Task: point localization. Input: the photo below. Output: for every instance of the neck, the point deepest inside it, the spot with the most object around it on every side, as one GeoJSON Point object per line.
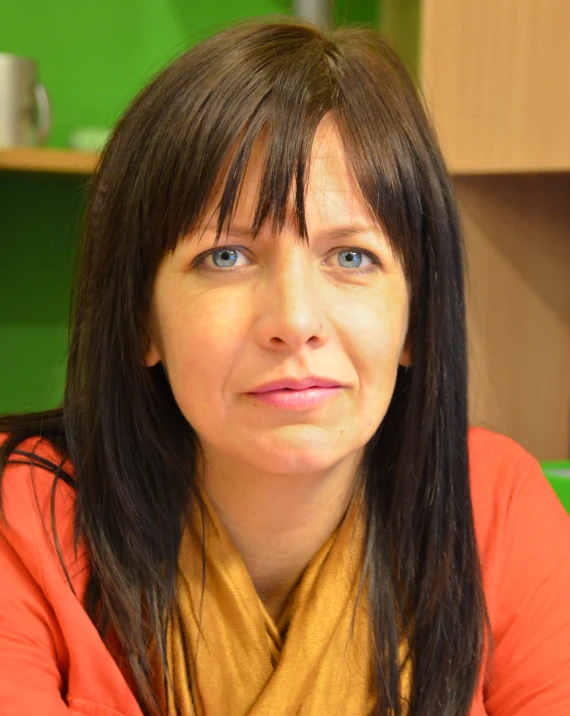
{"type": "Point", "coordinates": [279, 521]}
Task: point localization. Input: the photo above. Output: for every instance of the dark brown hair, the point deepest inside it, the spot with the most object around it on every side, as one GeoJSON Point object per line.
{"type": "Point", "coordinates": [134, 455]}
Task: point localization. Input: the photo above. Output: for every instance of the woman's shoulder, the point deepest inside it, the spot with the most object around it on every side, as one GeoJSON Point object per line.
{"type": "Point", "coordinates": [499, 467]}
{"type": "Point", "coordinates": [492, 448]}
{"type": "Point", "coordinates": [35, 474]}
{"type": "Point", "coordinates": [523, 539]}
{"type": "Point", "coordinates": [518, 516]}
{"type": "Point", "coordinates": [49, 648]}
{"type": "Point", "coordinates": [38, 510]}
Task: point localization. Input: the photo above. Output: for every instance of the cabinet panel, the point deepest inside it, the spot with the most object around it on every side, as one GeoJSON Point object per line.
{"type": "Point", "coordinates": [518, 250]}
{"type": "Point", "coordinates": [496, 76]}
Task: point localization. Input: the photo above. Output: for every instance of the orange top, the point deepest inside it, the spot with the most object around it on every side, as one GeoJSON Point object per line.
{"type": "Point", "coordinates": [53, 662]}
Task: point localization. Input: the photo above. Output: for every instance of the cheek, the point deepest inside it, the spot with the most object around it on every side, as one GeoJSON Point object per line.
{"type": "Point", "coordinates": [375, 334]}
{"type": "Point", "coordinates": [375, 329]}
{"type": "Point", "coordinates": [376, 353]}
{"type": "Point", "coordinates": [200, 341]}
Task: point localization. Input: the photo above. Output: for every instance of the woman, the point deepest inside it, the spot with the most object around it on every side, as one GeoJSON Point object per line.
{"type": "Point", "coordinates": [261, 495]}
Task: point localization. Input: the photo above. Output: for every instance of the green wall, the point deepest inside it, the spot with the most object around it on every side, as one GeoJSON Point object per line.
{"type": "Point", "coordinates": [39, 217]}
{"type": "Point", "coordinates": [93, 55]}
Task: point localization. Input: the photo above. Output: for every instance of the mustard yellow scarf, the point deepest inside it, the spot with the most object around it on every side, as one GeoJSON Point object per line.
{"type": "Point", "coordinates": [317, 661]}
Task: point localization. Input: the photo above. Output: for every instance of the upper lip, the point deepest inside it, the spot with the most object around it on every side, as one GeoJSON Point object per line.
{"type": "Point", "coordinates": [310, 381]}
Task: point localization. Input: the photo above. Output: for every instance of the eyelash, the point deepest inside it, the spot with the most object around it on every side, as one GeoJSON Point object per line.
{"type": "Point", "coordinates": [201, 258]}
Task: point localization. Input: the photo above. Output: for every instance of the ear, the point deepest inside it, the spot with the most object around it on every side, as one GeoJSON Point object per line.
{"type": "Point", "coordinates": [406, 354]}
{"type": "Point", "coordinates": [151, 340]}
{"type": "Point", "coordinates": [151, 353]}
{"type": "Point", "coordinates": [151, 356]}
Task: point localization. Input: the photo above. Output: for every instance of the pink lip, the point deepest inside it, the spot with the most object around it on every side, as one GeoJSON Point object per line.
{"type": "Point", "coordinates": [297, 399]}
{"type": "Point", "coordinates": [296, 385]}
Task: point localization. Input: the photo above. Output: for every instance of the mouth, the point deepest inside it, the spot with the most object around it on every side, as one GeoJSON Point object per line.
{"type": "Point", "coordinates": [295, 384]}
{"type": "Point", "coordinates": [303, 399]}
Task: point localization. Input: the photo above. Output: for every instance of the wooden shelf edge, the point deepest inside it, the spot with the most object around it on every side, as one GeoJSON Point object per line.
{"type": "Point", "coordinates": [57, 161]}
{"type": "Point", "coordinates": [455, 170]}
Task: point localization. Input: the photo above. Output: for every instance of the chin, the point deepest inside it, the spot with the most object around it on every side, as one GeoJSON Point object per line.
{"type": "Point", "coordinates": [295, 458]}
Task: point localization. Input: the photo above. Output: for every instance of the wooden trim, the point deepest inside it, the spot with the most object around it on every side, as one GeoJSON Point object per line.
{"type": "Point", "coordinates": [59, 161]}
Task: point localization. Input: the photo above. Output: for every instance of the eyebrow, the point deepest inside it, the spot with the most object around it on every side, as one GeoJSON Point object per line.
{"type": "Point", "coordinates": [334, 233]}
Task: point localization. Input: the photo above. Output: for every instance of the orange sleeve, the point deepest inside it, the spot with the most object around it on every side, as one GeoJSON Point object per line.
{"type": "Point", "coordinates": [53, 661]}
{"type": "Point", "coordinates": [33, 652]}
{"type": "Point", "coordinates": [30, 680]}
{"type": "Point", "coordinates": [531, 628]}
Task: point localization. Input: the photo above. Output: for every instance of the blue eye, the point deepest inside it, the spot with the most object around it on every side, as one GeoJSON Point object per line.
{"type": "Point", "coordinates": [227, 256]}
{"type": "Point", "coordinates": [353, 258]}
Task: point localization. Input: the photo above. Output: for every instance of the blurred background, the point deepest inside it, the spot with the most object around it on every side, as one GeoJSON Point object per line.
{"type": "Point", "coordinates": [495, 75]}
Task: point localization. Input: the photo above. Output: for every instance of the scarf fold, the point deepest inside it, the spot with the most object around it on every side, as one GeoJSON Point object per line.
{"type": "Point", "coordinates": [316, 661]}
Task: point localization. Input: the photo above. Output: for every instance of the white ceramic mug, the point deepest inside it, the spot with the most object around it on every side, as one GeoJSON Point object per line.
{"type": "Point", "coordinates": [25, 113]}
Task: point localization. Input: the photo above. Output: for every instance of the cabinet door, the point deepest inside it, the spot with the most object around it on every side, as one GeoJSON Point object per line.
{"type": "Point", "coordinates": [518, 290]}
{"type": "Point", "coordinates": [496, 76]}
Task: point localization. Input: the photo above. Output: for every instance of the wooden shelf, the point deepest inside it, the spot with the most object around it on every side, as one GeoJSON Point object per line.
{"type": "Point", "coordinates": [57, 161]}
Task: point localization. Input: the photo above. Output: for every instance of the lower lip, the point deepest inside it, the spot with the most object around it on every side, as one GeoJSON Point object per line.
{"type": "Point", "coordinates": [297, 399]}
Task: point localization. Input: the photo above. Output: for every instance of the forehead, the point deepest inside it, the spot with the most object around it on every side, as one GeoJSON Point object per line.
{"type": "Point", "coordinates": [332, 195]}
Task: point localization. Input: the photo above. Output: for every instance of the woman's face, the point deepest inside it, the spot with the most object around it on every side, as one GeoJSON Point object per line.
{"type": "Point", "coordinates": [228, 319]}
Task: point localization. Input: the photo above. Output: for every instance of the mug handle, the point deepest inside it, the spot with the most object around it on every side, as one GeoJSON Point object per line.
{"type": "Point", "coordinates": [44, 112]}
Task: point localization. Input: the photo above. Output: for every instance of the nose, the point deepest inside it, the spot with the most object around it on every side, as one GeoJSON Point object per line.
{"type": "Point", "coordinates": [291, 303]}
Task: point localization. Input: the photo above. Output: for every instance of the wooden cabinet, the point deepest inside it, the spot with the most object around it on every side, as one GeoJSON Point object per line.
{"type": "Point", "coordinates": [518, 250]}
{"type": "Point", "coordinates": [495, 75]}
